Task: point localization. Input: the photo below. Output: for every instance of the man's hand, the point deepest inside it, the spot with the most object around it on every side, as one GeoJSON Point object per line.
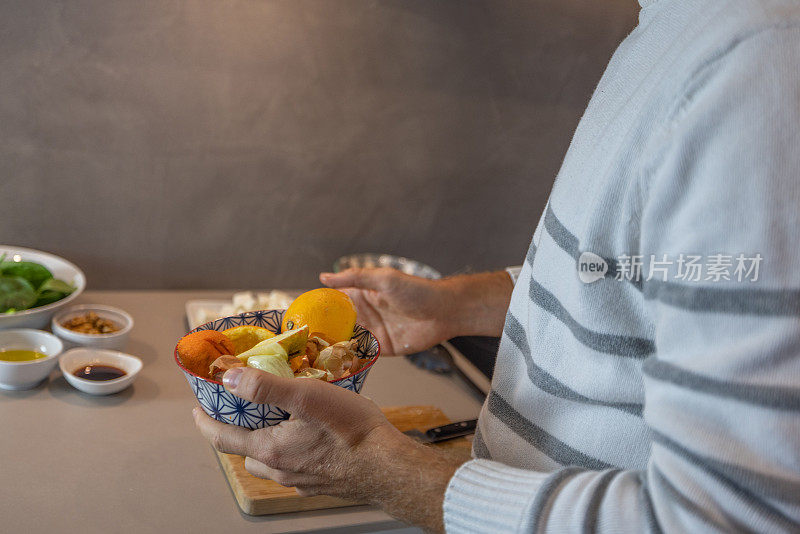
{"type": "Point", "coordinates": [406, 313]}
{"type": "Point", "coordinates": [409, 314]}
{"type": "Point", "coordinates": [335, 443]}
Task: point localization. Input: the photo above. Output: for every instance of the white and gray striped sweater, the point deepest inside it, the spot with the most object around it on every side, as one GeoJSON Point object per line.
{"type": "Point", "coordinates": [669, 404]}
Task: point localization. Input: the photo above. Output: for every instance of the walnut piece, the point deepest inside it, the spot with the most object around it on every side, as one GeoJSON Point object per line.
{"type": "Point", "coordinates": [90, 323]}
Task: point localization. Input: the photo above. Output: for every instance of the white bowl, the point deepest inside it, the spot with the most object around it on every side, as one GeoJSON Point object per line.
{"type": "Point", "coordinates": [61, 268]}
{"type": "Point", "coordinates": [25, 375]}
{"type": "Point", "coordinates": [115, 340]}
{"type": "Point", "coordinates": [75, 359]}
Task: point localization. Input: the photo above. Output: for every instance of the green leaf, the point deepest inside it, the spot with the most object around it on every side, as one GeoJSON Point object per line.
{"type": "Point", "coordinates": [16, 292]}
{"type": "Point", "coordinates": [47, 297]}
{"type": "Point", "coordinates": [51, 291]}
{"type": "Point", "coordinates": [34, 273]}
{"type": "Point", "coordinates": [56, 285]}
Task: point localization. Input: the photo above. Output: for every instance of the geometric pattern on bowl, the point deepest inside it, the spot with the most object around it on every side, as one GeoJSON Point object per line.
{"type": "Point", "coordinates": [228, 408]}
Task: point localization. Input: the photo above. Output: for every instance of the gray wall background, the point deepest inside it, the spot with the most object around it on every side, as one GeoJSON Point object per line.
{"type": "Point", "coordinates": [248, 144]}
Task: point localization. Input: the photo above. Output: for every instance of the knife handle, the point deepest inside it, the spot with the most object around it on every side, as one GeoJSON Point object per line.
{"type": "Point", "coordinates": [453, 430]}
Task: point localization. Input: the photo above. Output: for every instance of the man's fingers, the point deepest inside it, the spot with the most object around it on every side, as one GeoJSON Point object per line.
{"type": "Point", "coordinates": [346, 278]}
{"type": "Point", "coordinates": [284, 478]}
{"type": "Point", "coordinates": [374, 279]}
{"type": "Point", "coordinates": [231, 439]}
{"type": "Point", "coordinates": [258, 469]}
{"type": "Point", "coordinates": [298, 396]}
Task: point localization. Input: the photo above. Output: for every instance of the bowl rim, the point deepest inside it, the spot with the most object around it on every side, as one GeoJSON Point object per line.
{"type": "Point", "coordinates": [197, 329]}
{"type": "Point", "coordinates": [337, 265]}
{"type": "Point", "coordinates": [114, 353]}
{"type": "Point", "coordinates": [57, 304]}
{"type": "Point", "coordinates": [47, 357]}
{"type": "Point", "coordinates": [56, 326]}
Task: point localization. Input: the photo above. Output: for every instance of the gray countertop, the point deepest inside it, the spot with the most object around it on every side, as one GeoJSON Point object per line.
{"type": "Point", "coordinates": [133, 462]}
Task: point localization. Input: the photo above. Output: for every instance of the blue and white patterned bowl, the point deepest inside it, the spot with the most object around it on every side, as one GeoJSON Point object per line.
{"type": "Point", "coordinates": [228, 408]}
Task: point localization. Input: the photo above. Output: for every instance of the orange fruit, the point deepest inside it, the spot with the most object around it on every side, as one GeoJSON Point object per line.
{"type": "Point", "coordinates": [328, 313]}
{"type": "Point", "coordinates": [198, 351]}
{"type": "Point", "coordinates": [246, 337]}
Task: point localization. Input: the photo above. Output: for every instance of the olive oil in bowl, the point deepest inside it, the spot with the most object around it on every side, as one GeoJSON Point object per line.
{"type": "Point", "coordinates": [20, 355]}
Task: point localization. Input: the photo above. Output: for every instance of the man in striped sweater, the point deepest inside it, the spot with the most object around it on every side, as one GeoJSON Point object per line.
{"type": "Point", "coordinates": [648, 376]}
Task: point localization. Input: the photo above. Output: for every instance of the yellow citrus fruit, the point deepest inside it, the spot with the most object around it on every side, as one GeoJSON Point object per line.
{"type": "Point", "coordinates": [246, 337]}
{"type": "Point", "coordinates": [329, 314]}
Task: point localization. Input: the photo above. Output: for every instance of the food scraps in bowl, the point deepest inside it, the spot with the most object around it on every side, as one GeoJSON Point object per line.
{"type": "Point", "coordinates": [208, 354]}
{"type": "Point", "coordinates": [91, 323]}
{"type": "Point", "coordinates": [319, 345]}
{"type": "Point", "coordinates": [224, 406]}
{"type": "Point", "coordinates": [27, 284]}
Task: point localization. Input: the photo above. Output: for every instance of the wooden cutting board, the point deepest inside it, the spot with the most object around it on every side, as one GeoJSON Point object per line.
{"type": "Point", "coordinates": [258, 496]}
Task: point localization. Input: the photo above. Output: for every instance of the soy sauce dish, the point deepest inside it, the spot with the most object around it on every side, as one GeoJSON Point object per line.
{"type": "Point", "coordinates": [99, 371]}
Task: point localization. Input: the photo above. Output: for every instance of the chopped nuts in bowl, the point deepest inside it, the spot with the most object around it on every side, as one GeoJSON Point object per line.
{"type": "Point", "coordinates": [90, 323]}
{"type": "Point", "coordinates": [93, 325]}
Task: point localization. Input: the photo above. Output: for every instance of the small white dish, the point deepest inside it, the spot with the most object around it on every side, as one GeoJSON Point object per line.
{"type": "Point", "coordinates": [75, 359]}
{"type": "Point", "coordinates": [26, 375]}
{"type": "Point", "coordinates": [115, 340]}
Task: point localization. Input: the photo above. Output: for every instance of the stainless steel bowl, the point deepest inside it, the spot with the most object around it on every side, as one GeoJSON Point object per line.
{"type": "Point", "coordinates": [405, 265]}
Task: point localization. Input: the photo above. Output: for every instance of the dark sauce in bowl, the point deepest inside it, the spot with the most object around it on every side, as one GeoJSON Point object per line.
{"type": "Point", "coordinates": [99, 372]}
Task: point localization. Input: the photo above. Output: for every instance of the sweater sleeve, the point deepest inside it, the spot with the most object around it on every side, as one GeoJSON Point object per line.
{"type": "Point", "coordinates": [722, 391]}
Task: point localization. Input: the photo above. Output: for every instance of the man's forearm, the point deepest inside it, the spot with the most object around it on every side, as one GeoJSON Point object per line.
{"type": "Point", "coordinates": [478, 303]}
{"type": "Point", "coordinates": [412, 480]}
